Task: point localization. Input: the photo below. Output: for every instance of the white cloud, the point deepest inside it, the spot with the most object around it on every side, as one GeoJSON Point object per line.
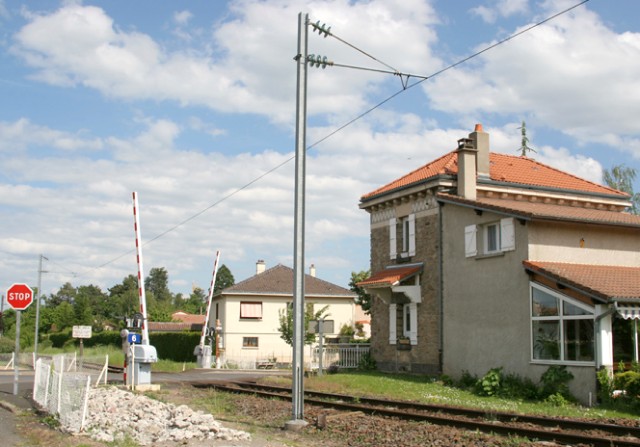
{"type": "Point", "coordinates": [500, 8]}
{"type": "Point", "coordinates": [251, 69]}
{"type": "Point", "coordinates": [559, 72]}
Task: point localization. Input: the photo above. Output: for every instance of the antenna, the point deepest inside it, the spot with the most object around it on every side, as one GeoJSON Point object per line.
{"type": "Point", "coordinates": [524, 145]}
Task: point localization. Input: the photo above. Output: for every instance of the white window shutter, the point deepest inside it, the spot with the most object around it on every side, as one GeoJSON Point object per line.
{"type": "Point", "coordinates": [470, 243]}
{"type": "Point", "coordinates": [507, 234]}
{"type": "Point", "coordinates": [392, 238]}
{"type": "Point", "coordinates": [412, 234]}
{"type": "Point", "coordinates": [413, 323]}
{"type": "Point", "coordinates": [393, 320]}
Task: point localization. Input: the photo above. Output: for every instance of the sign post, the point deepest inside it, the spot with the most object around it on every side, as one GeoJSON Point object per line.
{"type": "Point", "coordinates": [81, 332]}
{"type": "Point", "coordinates": [19, 297]}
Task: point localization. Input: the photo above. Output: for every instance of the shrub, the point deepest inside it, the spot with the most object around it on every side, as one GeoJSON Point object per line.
{"type": "Point", "coordinates": [7, 345]}
{"type": "Point", "coordinates": [367, 362]}
{"type": "Point", "coordinates": [629, 382]}
{"type": "Point", "coordinates": [516, 387]}
{"type": "Point", "coordinates": [467, 380]}
{"type": "Point", "coordinates": [605, 385]}
{"type": "Point", "coordinates": [555, 380]}
{"type": "Point", "coordinates": [557, 400]}
{"type": "Point", "coordinates": [490, 384]}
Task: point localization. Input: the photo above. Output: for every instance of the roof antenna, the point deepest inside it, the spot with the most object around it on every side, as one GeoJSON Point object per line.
{"type": "Point", "coordinates": [525, 147]}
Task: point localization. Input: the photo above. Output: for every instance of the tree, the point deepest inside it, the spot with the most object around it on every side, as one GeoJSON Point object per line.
{"type": "Point", "coordinates": [124, 298]}
{"type": "Point", "coordinates": [196, 302]}
{"type": "Point", "coordinates": [158, 284]}
{"type": "Point", "coordinates": [286, 323]}
{"type": "Point", "coordinates": [621, 177]}
{"type": "Point", "coordinates": [66, 293]}
{"type": "Point", "coordinates": [224, 279]}
{"type": "Point", "coordinates": [363, 298]}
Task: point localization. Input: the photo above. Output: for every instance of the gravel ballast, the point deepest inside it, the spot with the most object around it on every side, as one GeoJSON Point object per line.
{"type": "Point", "coordinates": [114, 414]}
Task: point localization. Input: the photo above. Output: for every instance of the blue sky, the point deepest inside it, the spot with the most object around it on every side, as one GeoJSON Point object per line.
{"type": "Point", "coordinates": [189, 102]}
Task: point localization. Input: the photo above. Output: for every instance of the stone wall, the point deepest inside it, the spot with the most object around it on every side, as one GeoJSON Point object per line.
{"type": "Point", "coordinates": [425, 356]}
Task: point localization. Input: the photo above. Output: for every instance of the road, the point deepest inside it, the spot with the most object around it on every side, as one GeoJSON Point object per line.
{"type": "Point", "coordinates": [11, 405]}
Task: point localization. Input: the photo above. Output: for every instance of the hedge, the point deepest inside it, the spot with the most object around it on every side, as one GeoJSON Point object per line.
{"type": "Point", "coordinates": [174, 346]}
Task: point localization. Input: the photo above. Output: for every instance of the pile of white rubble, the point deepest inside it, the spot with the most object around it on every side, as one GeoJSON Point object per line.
{"type": "Point", "coordinates": [114, 415]}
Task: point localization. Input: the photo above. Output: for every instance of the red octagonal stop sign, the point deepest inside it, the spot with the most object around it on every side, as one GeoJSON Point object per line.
{"type": "Point", "coordinates": [19, 296]}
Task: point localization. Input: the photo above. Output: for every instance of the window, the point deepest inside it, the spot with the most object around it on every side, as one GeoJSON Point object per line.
{"type": "Point", "coordinates": [250, 310]}
{"type": "Point", "coordinates": [408, 319]}
{"type": "Point", "coordinates": [495, 237]}
{"type": "Point", "coordinates": [406, 231]}
{"type": "Point", "coordinates": [491, 238]}
{"type": "Point", "coordinates": [562, 328]}
{"type": "Point", "coordinates": [249, 342]}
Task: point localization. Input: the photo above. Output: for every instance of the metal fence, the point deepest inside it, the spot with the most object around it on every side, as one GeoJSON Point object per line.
{"type": "Point", "coordinates": [61, 386]}
{"type": "Point", "coordinates": [343, 355]}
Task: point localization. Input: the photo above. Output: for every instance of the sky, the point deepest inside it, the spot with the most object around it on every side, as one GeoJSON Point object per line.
{"type": "Point", "coordinates": [192, 105]}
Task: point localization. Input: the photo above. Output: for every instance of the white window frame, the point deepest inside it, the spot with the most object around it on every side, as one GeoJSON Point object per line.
{"type": "Point", "coordinates": [393, 250]}
{"type": "Point", "coordinates": [561, 319]}
{"type": "Point", "coordinates": [393, 322]}
{"type": "Point", "coordinates": [505, 237]}
{"type": "Point", "coordinates": [486, 233]}
{"type": "Point", "coordinates": [410, 322]}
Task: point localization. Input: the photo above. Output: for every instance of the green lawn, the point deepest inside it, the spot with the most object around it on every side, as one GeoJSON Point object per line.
{"type": "Point", "coordinates": [428, 390]}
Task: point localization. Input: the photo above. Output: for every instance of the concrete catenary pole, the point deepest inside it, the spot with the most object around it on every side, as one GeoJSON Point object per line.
{"type": "Point", "coordinates": [298, 244]}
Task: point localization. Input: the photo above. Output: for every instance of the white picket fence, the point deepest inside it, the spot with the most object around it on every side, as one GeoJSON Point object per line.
{"type": "Point", "coordinates": [61, 386]}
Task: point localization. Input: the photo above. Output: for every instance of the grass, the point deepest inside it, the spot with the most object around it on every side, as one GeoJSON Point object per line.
{"type": "Point", "coordinates": [429, 390]}
{"type": "Point", "coordinates": [391, 386]}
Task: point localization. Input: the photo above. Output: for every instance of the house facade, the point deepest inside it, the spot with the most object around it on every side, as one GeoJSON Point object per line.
{"type": "Point", "coordinates": [249, 314]}
{"type": "Point", "coordinates": [484, 260]}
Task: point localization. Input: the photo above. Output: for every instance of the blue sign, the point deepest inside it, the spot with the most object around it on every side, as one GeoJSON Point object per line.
{"type": "Point", "coordinates": [134, 339]}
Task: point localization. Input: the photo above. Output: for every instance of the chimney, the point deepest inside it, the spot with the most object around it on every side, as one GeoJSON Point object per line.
{"type": "Point", "coordinates": [260, 266]}
{"type": "Point", "coordinates": [480, 140]}
{"type": "Point", "coordinates": [466, 168]}
{"type": "Point", "coordinates": [312, 270]}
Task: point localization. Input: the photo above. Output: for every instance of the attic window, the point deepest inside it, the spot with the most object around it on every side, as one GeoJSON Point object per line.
{"type": "Point", "coordinates": [251, 310]}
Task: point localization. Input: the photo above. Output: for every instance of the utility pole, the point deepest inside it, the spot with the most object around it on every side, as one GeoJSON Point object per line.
{"type": "Point", "coordinates": [40, 272]}
{"type": "Point", "coordinates": [298, 421]}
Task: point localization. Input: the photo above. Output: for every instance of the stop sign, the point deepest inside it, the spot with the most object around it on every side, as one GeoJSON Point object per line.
{"type": "Point", "coordinates": [19, 296]}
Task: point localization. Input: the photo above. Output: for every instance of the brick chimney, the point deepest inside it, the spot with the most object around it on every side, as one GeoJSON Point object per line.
{"type": "Point", "coordinates": [467, 168]}
{"type": "Point", "coordinates": [260, 266]}
{"type": "Point", "coordinates": [480, 140]}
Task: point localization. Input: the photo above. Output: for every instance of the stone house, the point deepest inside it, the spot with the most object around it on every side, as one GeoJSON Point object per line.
{"type": "Point", "coordinates": [483, 260]}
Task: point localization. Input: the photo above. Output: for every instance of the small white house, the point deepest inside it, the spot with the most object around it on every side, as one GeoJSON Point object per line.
{"type": "Point", "coordinates": [249, 314]}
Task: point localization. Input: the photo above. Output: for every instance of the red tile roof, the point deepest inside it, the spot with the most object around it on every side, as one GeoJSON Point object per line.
{"type": "Point", "coordinates": [278, 280]}
{"type": "Point", "coordinates": [606, 282]}
{"type": "Point", "coordinates": [183, 317]}
{"type": "Point", "coordinates": [503, 168]}
{"type": "Point", "coordinates": [390, 276]}
{"type": "Point", "coordinates": [546, 211]}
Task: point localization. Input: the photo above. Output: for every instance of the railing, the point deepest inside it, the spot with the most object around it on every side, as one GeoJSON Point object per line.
{"type": "Point", "coordinates": [342, 355]}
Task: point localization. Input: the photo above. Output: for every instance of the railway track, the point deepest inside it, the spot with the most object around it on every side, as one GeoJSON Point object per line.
{"type": "Point", "coordinates": [565, 431]}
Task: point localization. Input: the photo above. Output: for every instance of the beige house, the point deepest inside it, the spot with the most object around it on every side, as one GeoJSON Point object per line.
{"type": "Point", "coordinates": [249, 313]}
{"type": "Point", "coordinates": [484, 260]}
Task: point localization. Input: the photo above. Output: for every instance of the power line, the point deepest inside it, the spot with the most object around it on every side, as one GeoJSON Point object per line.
{"type": "Point", "coordinates": [406, 86]}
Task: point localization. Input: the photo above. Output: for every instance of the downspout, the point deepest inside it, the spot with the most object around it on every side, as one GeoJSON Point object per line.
{"type": "Point", "coordinates": [440, 290]}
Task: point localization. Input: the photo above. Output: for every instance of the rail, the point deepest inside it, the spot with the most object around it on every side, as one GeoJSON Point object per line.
{"type": "Point", "coordinates": [566, 431]}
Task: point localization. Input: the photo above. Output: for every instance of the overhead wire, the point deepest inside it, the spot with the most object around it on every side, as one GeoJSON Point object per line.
{"type": "Point", "coordinates": [406, 86]}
